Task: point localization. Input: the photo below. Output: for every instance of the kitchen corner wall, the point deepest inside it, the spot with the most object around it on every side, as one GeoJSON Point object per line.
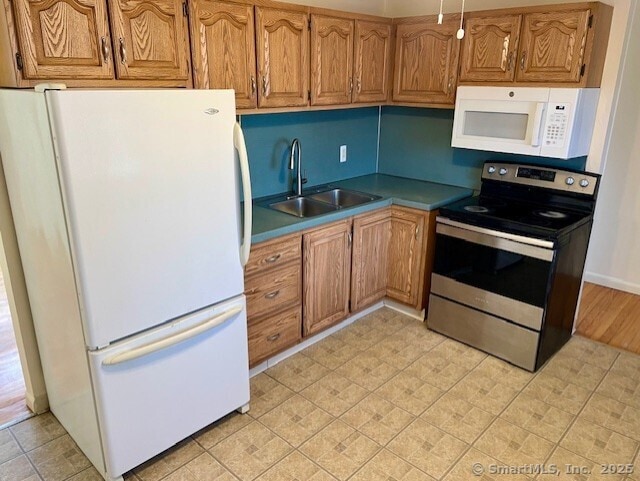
{"type": "Point", "coordinates": [321, 133]}
{"type": "Point", "coordinates": [416, 143]}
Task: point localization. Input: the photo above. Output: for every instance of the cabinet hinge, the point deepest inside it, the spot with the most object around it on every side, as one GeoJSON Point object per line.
{"type": "Point", "coordinates": [582, 69]}
{"type": "Point", "coordinates": [185, 11]}
{"type": "Point", "coordinates": [19, 62]}
{"type": "Point", "coordinates": [590, 24]}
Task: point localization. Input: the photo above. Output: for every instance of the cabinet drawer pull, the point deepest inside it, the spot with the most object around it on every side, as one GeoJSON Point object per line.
{"type": "Point", "coordinates": [264, 85]}
{"type": "Point", "coordinates": [449, 85]}
{"type": "Point", "coordinates": [123, 51]}
{"type": "Point", "coordinates": [350, 85]}
{"type": "Point", "coordinates": [523, 59]}
{"type": "Point", "coordinates": [510, 61]}
{"type": "Point", "coordinates": [272, 295]}
{"type": "Point", "coordinates": [105, 49]}
{"type": "Point", "coordinates": [417, 231]}
{"type": "Point", "coordinates": [273, 259]}
{"type": "Point", "coordinates": [358, 86]}
{"type": "Point", "coordinates": [253, 86]}
{"type": "Point", "coordinates": [273, 338]}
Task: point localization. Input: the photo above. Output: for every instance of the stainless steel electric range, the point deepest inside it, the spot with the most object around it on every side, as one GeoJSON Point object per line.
{"type": "Point", "coordinates": [509, 262]}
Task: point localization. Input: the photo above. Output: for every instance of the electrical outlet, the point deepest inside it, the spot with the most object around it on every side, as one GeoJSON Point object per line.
{"type": "Point", "coordinates": [343, 153]}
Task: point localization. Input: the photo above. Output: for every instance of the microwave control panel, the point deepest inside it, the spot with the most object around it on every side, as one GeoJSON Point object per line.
{"type": "Point", "coordinates": [555, 131]}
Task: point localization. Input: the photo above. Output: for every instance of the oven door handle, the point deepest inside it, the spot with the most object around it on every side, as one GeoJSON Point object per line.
{"type": "Point", "coordinates": [526, 246]}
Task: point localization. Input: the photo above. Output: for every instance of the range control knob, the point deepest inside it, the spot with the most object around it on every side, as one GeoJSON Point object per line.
{"type": "Point", "coordinates": [491, 169]}
{"type": "Point", "coordinates": [584, 183]}
{"type": "Point", "coordinates": [570, 181]}
{"type": "Point", "coordinates": [503, 171]}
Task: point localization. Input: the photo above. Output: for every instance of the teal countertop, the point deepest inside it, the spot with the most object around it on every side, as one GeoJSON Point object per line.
{"type": "Point", "coordinates": [268, 223]}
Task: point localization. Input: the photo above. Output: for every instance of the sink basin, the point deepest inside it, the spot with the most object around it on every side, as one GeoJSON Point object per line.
{"type": "Point", "coordinates": [303, 207]}
{"type": "Point", "coordinates": [343, 197]}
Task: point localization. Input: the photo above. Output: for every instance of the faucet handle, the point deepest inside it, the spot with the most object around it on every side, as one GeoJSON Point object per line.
{"type": "Point", "coordinates": [304, 179]}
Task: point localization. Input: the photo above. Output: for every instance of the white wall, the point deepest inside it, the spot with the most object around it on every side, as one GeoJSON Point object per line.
{"type": "Point", "coordinates": [614, 255]}
{"type": "Point", "coordinates": [371, 7]}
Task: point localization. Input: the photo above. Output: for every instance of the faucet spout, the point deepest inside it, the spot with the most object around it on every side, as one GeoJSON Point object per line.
{"type": "Point", "coordinates": [296, 158]}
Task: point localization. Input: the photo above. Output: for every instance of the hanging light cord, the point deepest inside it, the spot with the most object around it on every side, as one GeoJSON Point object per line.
{"type": "Point", "coordinates": [460, 33]}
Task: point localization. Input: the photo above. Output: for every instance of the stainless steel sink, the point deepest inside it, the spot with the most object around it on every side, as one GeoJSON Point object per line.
{"type": "Point", "coordinates": [303, 207]}
{"type": "Point", "coordinates": [343, 197]}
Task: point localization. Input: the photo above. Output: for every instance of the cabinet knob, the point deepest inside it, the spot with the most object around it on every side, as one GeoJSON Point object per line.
{"type": "Point", "coordinates": [123, 52]}
{"type": "Point", "coordinates": [105, 49]}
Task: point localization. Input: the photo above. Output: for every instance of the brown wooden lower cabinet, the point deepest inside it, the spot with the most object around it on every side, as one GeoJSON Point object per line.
{"type": "Point", "coordinates": [327, 274]}
{"type": "Point", "coordinates": [371, 235]}
{"type": "Point", "coordinates": [410, 255]}
{"type": "Point", "coordinates": [302, 284]}
{"type": "Point", "coordinates": [274, 334]}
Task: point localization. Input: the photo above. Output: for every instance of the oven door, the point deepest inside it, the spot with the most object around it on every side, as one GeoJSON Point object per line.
{"type": "Point", "coordinates": [502, 274]}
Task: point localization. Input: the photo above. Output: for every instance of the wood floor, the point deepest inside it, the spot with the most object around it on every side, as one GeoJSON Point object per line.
{"type": "Point", "coordinates": [610, 316]}
{"type": "Point", "coordinates": [12, 400]}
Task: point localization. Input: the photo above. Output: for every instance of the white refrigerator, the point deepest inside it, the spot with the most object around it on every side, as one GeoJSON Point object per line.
{"type": "Point", "coordinates": [127, 209]}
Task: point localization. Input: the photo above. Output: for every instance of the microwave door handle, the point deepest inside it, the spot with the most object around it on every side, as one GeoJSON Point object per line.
{"type": "Point", "coordinates": [537, 124]}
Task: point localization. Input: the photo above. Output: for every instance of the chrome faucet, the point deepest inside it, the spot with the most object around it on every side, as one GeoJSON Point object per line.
{"type": "Point", "coordinates": [295, 148]}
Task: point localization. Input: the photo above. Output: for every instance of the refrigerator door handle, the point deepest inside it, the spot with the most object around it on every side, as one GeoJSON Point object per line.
{"type": "Point", "coordinates": [155, 346]}
{"type": "Point", "coordinates": [239, 143]}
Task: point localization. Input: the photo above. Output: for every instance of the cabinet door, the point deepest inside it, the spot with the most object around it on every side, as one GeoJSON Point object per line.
{"type": "Point", "coordinates": [371, 234]}
{"type": "Point", "coordinates": [331, 60]}
{"type": "Point", "coordinates": [490, 49]}
{"type": "Point", "coordinates": [372, 61]}
{"type": "Point", "coordinates": [283, 57]}
{"type": "Point", "coordinates": [552, 46]}
{"type": "Point", "coordinates": [405, 276]}
{"type": "Point", "coordinates": [223, 46]}
{"type": "Point", "coordinates": [426, 63]}
{"type": "Point", "coordinates": [61, 39]}
{"type": "Point", "coordinates": [327, 270]}
{"type": "Point", "coordinates": [150, 38]}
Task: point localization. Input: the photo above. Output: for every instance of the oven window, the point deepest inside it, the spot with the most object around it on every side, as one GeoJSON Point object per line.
{"type": "Point", "coordinates": [510, 275]}
{"type": "Point", "coordinates": [499, 125]}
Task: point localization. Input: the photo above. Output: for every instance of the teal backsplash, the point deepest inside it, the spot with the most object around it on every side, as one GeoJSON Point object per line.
{"type": "Point", "coordinates": [416, 143]}
{"type": "Point", "coordinates": [321, 133]}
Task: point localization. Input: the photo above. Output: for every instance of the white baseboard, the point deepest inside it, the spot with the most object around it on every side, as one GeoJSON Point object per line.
{"type": "Point", "coordinates": [612, 282]}
{"type": "Point", "coordinates": [409, 311]}
{"type": "Point", "coordinates": [312, 340]}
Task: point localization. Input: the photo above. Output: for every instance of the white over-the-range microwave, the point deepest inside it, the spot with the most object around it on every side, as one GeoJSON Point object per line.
{"type": "Point", "coordinates": [547, 122]}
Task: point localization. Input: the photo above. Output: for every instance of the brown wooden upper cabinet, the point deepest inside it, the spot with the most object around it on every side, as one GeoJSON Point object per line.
{"type": "Point", "coordinates": [223, 48]}
{"type": "Point", "coordinates": [426, 63]}
{"type": "Point", "coordinates": [561, 45]}
{"type": "Point", "coordinates": [283, 57]}
{"type": "Point", "coordinates": [553, 46]}
{"type": "Point", "coordinates": [331, 60]}
{"type": "Point", "coordinates": [350, 60]}
{"type": "Point", "coordinates": [490, 48]}
{"type": "Point", "coordinates": [150, 38]}
{"type": "Point", "coordinates": [61, 39]}
{"type": "Point", "coordinates": [372, 61]}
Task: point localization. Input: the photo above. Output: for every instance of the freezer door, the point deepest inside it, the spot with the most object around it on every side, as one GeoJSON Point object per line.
{"type": "Point", "coordinates": [150, 193]}
{"type": "Point", "coordinates": [158, 388]}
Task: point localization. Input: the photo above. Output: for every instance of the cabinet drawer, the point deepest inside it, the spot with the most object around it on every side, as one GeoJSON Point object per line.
{"type": "Point", "coordinates": [273, 290]}
{"type": "Point", "coordinates": [273, 254]}
{"type": "Point", "coordinates": [274, 334]}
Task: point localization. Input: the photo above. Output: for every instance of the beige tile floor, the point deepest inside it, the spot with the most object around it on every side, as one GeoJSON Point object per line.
{"type": "Point", "coordinates": [385, 399]}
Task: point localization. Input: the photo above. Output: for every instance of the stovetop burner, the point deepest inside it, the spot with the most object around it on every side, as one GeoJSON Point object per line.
{"type": "Point", "coordinates": [551, 214]}
{"type": "Point", "coordinates": [476, 208]}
